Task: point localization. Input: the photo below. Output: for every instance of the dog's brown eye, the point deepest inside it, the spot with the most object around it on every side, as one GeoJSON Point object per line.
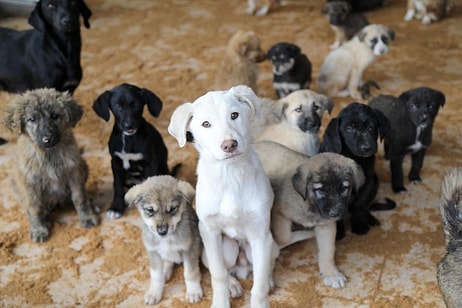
{"type": "Point", "coordinates": [298, 109]}
{"type": "Point", "coordinates": [31, 119]}
{"type": "Point", "coordinates": [54, 116]}
{"type": "Point", "coordinates": [150, 211]}
{"type": "Point", "coordinates": [206, 124]}
{"type": "Point", "coordinates": [315, 107]}
{"type": "Point", "coordinates": [234, 115]}
{"type": "Point", "coordinates": [173, 210]}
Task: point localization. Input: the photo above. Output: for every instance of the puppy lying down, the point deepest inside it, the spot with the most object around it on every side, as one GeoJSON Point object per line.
{"type": "Point", "coordinates": [310, 195]}
{"type": "Point", "coordinates": [170, 233]}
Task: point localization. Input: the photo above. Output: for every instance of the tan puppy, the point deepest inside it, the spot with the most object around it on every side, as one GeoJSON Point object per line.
{"type": "Point", "coordinates": [298, 119]}
{"type": "Point", "coordinates": [170, 233]}
{"type": "Point", "coordinates": [50, 169]}
{"type": "Point", "coordinates": [341, 73]}
{"type": "Point", "coordinates": [314, 195]}
{"type": "Point", "coordinates": [450, 267]}
{"type": "Point", "coordinates": [427, 10]}
{"type": "Point", "coordinates": [239, 65]}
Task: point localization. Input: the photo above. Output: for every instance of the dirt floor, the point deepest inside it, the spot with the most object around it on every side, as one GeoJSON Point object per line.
{"type": "Point", "coordinates": [173, 48]}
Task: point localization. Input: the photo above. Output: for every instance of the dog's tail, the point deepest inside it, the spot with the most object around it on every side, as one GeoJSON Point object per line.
{"type": "Point", "coordinates": [451, 205]}
{"type": "Point", "coordinates": [365, 89]}
{"type": "Point", "coordinates": [388, 205]}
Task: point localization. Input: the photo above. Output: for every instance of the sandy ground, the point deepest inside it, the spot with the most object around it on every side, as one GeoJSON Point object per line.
{"type": "Point", "coordinates": [173, 48]}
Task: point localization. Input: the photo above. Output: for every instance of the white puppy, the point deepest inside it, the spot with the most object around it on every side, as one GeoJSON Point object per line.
{"type": "Point", "coordinates": [233, 193]}
{"type": "Point", "coordinates": [299, 117]}
{"type": "Point", "coordinates": [341, 73]}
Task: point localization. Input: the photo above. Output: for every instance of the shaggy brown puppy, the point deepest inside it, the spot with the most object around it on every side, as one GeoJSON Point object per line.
{"type": "Point", "coordinates": [239, 65]}
{"type": "Point", "coordinates": [50, 170]}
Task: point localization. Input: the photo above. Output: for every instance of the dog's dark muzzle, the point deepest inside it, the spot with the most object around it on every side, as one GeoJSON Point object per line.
{"type": "Point", "coordinates": [162, 230]}
{"type": "Point", "coordinates": [48, 139]}
{"type": "Point", "coordinates": [310, 125]}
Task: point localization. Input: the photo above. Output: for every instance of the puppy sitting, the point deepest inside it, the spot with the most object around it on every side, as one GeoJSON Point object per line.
{"type": "Point", "coordinates": [344, 22]}
{"type": "Point", "coordinates": [291, 68]}
{"type": "Point", "coordinates": [234, 195]}
{"type": "Point", "coordinates": [313, 195]}
{"type": "Point", "coordinates": [239, 65]}
{"type": "Point", "coordinates": [427, 10]}
{"type": "Point", "coordinates": [136, 147]}
{"type": "Point", "coordinates": [298, 119]}
{"type": "Point", "coordinates": [411, 117]}
{"type": "Point", "coordinates": [341, 73]}
{"type": "Point", "coordinates": [170, 233]}
{"type": "Point", "coordinates": [50, 169]}
{"type": "Point", "coordinates": [449, 268]}
{"type": "Point", "coordinates": [354, 133]}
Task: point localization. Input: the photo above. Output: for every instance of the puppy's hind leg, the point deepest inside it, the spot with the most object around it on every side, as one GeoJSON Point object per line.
{"type": "Point", "coordinates": [192, 277]}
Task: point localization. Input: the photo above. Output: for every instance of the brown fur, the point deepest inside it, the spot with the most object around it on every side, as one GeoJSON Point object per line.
{"type": "Point", "coordinates": [239, 65]}
{"type": "Point", "coordinates": [50, 169]}
{"type": "Point", "coordinates": [427, 11]}
{"type": "Point", "coordinates": [450, 267]}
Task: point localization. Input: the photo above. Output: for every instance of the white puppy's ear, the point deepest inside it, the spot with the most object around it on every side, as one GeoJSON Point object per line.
{"type": "Point", "coordinates": [179, 122]}
{"type": "Point", "coordinates": [247, 95]}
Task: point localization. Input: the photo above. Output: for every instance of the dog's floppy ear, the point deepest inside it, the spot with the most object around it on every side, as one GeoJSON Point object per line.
{"type": "Point", "coordinates": [133, 196]}
{"type": "Point", "coordinates": [391, 33]}
{"type": "Point", "coordinates": [36, 18]}
{"type": "Point", "coordinates": [331, 141]}
{"type": "Point", "coordinates": [154, 103]}
{"type": "Point", "coordinates": [300, 181]}
{"type": "Point", "coordinates": [186, 191]}
{"type": "Point", "coordinates": [384, 123]}
{"type": "Point", "coordinates": [85, 12]}
{"type": "Point", "coordinates": [357, 172]}
{"type": "Point", "coordinates": [74, 111]}
{"type": "Point", "coordinates": [246, 94]}
{"type": "Point", "coordinates": [179, 123]}
{"type": "Point", "coordinates": [327, 103]}
{"type": "Point", "coordinates": [101, 105]}
{"type": "Point", "coordinates": [13, 119]}
{"type": "Point", "coordinates": [439, 97]}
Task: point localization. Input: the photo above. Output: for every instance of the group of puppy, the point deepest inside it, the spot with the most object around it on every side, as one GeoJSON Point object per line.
{"type": "Point", "coordinates": [265, 179]}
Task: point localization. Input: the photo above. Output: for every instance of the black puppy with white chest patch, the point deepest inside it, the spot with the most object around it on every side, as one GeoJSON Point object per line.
{"type": "Point", "coordinates": [354, 134]}
{"type": "Point", "coordinates": [411, 116]}
{"type": "Point", "coordinates": [136, 147]}
{"type": "Point", "coordinates": [291, 68]}
{"type": "Point", "coordinates": [47, 56]}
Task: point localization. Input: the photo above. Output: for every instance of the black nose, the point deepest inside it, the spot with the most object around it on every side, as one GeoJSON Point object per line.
{"type": "Point", "coordinates": [162, 230]}
{"type": "Point", "coordinates": [229, 146]}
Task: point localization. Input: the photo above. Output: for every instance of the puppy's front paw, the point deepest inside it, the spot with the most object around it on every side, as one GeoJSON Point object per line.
{"type": "Point", "coordinates": [110, 214]}
{"type": "Point", "coordinates": [409, 15]}
{"type": "Point", "coordinates": [194, 294]}
{"type": "Point", "coordinates": [415, 179]}
{"type": "Point", "coordinates": [337, 282]}
{"type": "Point", "coordinates": [39, 234]}
{"type": "Point", "coordinates": [153, 296]}
{"type": "Point", "coordinates": [399, 189]}
{"type": "Point", "coordinates": [89, 220]}
{"type": "Point", "coordinates": [235, 288]}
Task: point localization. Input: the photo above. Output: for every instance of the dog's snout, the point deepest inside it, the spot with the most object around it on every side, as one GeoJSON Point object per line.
{"type": "Point", "coordinates": [366, 147]}
{"type": "Point", "coordinates": [46, 139]}
{"type": "Point", "coordinates": [162, 230]}
{"type": "Point", "coordinates": [229, 146]}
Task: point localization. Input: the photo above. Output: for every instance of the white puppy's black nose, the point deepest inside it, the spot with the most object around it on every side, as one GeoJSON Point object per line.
{"type": "Point", "coordinates": [229, 146]}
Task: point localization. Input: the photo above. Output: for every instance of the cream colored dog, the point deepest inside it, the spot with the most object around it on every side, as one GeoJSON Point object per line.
{"type": "Point", "coordinates": [298, 119]}
{"type": "Point", "coordinates": [239, 65]}
{"type": "Point", "coordinates": [427, 11]}
{"type": "Point", "coordinates": [313, 193]}
{"type": "Point", "coordinates": [233, 193]}
{"type": "Point", "coordinates": [341, 73]}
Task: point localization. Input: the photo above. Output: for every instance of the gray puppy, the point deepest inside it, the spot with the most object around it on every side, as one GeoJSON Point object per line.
{"type": "Point", "coordinates": [313, 196]}
{"type": "Point", "coordinates": [411, 118]}
{"type": "Point", "coordinates": [50, 170]}
{"type": "Point", "coordinates": [449, 268]}
{"type": "Point", "coordinates": [344, 22]}
{"type": "Point", "coordinates": [170, 233]}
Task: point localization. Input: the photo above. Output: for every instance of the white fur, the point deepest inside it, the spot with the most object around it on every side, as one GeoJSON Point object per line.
{"type": "Point", "coordinates": [233, 193]}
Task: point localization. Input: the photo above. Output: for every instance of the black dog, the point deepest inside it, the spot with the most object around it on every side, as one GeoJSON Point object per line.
{"type": "Point", "coordinates": [411, 117]}
{"type": "Point", "coordinates": [136, 147]}
{"type": "Point", "coordinates": [364, 5]}
{"type": "Point", "coordinates": [291, 68]}
{"type": "Point", "coordinates": [354, 133]}
{"type": "Point", "coordinates": [47, 56]}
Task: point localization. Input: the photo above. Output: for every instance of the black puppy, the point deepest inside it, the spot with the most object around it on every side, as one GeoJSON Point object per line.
{"type": "Point", "coordinates": [354, 133]}
{"type": "Point", "coordinates": [47, 56]}
{"type": "Point", "coordinates": [364, 5]}
{"type": "Point", "coordinates": [411, 117]}
{"type": "Point", "coordinates": [291, 68]}
{"type": "Point", "coordinates": [136, 147]}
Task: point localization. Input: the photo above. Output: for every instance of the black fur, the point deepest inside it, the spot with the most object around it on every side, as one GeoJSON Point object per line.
{"type": "Point", "coordinates": [47, 56]}
{"type": "Point", "coordinates": [289, 77]}
{"type": "Point", "coordinates": [415, 107]}
{"type": "Point", "coordinates": [134, 135]}
{"type": "Point", "coordinates": [354, 133]}
{"type": "Point", "coordinates": [364, 5]}
{"type": "Point", "coordinates": [342, 15]}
